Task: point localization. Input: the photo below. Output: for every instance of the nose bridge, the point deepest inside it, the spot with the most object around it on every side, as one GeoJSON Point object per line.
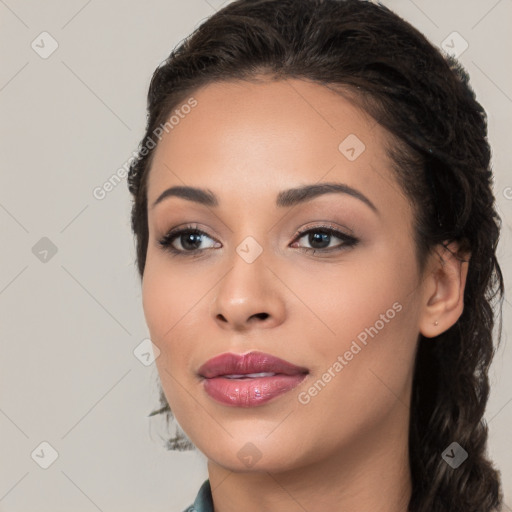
{"type": "Point", "coordinates": [248, 291]}
{"type": "Point", "coordinates": [246, 279]}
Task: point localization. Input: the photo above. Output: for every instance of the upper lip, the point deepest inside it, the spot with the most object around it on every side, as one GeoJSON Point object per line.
{"type": "Point", "coordinates": [252, 362]}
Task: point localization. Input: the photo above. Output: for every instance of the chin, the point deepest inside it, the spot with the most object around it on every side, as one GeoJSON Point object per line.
{"type": "Point", "coordinates": [253, 454]}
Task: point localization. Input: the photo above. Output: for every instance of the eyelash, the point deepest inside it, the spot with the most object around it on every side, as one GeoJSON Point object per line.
{"type": "Point", "coordinates": [348, 241]}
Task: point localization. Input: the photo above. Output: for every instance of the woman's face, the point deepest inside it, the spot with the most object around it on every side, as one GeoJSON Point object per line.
{"type": "Point", "coordinates": [266, 276]}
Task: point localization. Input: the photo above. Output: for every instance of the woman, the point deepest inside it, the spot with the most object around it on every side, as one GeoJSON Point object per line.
{"type": "Point", "coordinates": [316, 239]}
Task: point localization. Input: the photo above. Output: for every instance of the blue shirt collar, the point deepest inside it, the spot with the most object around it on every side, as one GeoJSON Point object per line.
{"type": "Point", "coordinates": [203, 501]}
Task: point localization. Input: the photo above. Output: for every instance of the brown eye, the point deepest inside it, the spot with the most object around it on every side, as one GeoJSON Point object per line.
{"type": "Point", "coordinates": [320, 239]}
{"type": "Point", "coordinates": [186, 241]}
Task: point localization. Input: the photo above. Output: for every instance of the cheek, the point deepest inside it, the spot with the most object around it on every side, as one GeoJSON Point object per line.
{"type": "Point", "coordinates": [170, 302]}
{"type": "Point", "coordinates": [366, 313]}
{"type": "Point", "coordinates": [345, 300]}
{"type": "Point", "coordinates": [171, 296]}
{"type": "Point", "coordinates": [375, 321]}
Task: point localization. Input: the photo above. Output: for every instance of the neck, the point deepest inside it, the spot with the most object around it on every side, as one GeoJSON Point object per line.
{"type": "Point", "coordinates": [372, 473]}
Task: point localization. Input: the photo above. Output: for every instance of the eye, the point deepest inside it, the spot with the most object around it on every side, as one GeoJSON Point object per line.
{"type": "Point", "coordinates": [186, 241]}
{"type": "Point", "coordinates": [320, 239]}
{"type": "Point", "coordinates": [189, 240]}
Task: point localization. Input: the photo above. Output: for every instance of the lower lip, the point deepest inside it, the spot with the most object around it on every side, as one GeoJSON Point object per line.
{"type": "Point", "coordinates": [250, 392]}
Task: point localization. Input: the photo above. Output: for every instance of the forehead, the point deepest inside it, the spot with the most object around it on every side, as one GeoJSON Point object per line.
{"type": "Point", "coordinates": [249, 138]}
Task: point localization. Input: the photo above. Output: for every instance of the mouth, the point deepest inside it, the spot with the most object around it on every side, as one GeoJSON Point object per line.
{"type": "Point", "coordinates": [251, 365]}
{"type": "Point", "coordinates": [250, 375]}
{"type": "Point", "coordinates": [249, 380]}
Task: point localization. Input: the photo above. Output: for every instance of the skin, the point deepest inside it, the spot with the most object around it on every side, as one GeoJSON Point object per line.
{"type": "Point", "coordinates": [347, 448]}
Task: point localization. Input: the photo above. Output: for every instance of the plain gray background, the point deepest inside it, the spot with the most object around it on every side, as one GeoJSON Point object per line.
{"type": "Point", "coordinates": [70, 305]}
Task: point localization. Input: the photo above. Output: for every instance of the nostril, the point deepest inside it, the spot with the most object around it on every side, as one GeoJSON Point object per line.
{"type": "Point", "coordinates": [262, 316]}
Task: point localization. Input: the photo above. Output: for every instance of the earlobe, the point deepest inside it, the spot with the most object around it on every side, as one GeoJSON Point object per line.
{"type": "Point", "coordinates": [444, 285]}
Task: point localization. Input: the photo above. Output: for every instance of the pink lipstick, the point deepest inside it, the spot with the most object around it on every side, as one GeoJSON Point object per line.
{"type": "Point", "coordinates": [249, 380]}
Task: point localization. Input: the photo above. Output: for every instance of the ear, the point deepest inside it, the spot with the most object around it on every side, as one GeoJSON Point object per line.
{"type": "Point", "coordinates": [444, 284]}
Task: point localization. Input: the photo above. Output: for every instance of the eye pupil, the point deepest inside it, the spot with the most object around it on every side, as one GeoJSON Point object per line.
{"type": "Point", "coordinates": [317, 237]}
{"type": "Point", "coordinates": [193, 238]}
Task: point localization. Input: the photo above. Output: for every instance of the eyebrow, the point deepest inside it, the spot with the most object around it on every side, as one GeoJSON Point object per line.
{"type": "Point", "coordinates": [285, 198]}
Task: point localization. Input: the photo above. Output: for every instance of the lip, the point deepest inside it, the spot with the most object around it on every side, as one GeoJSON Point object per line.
{"type": "Point", "coordinates": [243, 364]}
{"type": "Point", "coordinates": [242, 391]}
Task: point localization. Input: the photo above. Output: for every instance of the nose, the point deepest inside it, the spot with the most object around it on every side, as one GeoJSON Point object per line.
{"type": "Point", "coordinates": [248, 297]}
